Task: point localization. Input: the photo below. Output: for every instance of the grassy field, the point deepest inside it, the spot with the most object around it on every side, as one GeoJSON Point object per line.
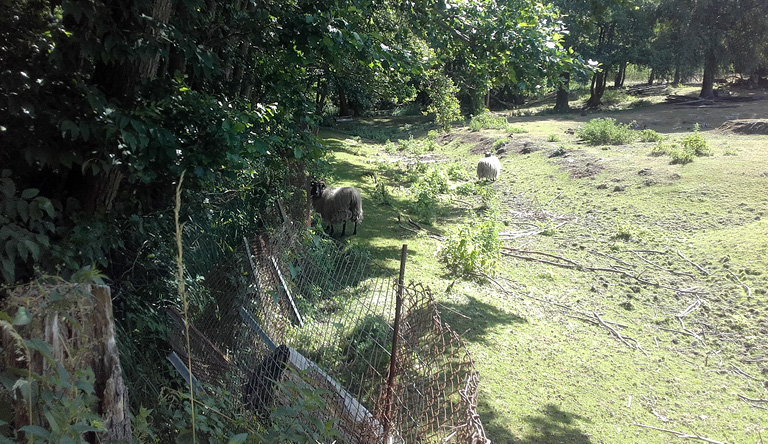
{"type": "Point", "coordinates": [632, 290]}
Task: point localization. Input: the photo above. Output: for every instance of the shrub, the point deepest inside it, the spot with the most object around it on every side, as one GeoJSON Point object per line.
{"type": "Point", "coordinates": [606, 132]}
{"type": "Point", "coordinates": [695, 142]}
{"type": "Point", "coordinates": [457, 171]}
{"type": "Point", "coordinates": [500, 142]}
{"type": "Point", "coordinates": [649, 135]}
{"type": "Point", "coordinates": [662, 149]}
{"type": "Point", "coordinates": [681, 155]}
{"type": "Point", "coordinates": [553, 138]}
{"type": "Point", "coordinates": [427, 189]}
{"type": "Point", "coordinates": [473, 248]}
{"type": "Point", "coordinates": [486, 120]}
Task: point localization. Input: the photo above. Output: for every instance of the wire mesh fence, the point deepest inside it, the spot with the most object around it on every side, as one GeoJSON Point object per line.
{"type": "Point", "coordinates": [289, 313]}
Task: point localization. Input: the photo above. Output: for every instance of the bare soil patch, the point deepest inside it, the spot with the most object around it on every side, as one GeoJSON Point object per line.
{"type": "Point", "coordinates": [580, 164]}
{"type": "Point", "coordinates": [745, 126]}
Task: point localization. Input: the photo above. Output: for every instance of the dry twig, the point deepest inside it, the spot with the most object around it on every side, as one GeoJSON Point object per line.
{"type": "Point", "coordinates": [746, 287]}
{"type": "Point", "coordinates": [705, 272]}
{"type": "Point", "coordinates": [681, 435]}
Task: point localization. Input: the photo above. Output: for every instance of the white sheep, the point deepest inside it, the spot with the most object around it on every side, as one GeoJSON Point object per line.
{"type": "Point", "coordinates": [488, 168]}
{"type": "Point", "coordinates": [337, 205]}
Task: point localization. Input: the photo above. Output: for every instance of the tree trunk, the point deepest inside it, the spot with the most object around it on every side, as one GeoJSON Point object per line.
{"type": "Point", "coordinates": [343, 103]}
{"type": "Point", "coordinates": [676, 79]}
{"type": "Point", "coordinates": [561, 103]}
{"type": "Point", "coordinates": [651, 76]}
{"type": "Point", "coordinates": [620, 75]}
{"type": "Point", "coordinates": [80, 333]}
{"type": "Point", "coordinates": [597, 89]}
{"type": "Point", "coordinates": [710, 71]}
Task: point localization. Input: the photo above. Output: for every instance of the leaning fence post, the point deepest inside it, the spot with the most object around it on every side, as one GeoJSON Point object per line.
{"type": "Point", "coordinates": [395, 340]}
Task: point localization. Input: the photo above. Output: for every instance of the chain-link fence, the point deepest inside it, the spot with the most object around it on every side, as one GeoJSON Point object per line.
{"type": "Point", "coordinates": [292, 309]}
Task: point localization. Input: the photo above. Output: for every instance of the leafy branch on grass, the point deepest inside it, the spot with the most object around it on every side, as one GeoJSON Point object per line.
{"type": "Point", "coordinates": [681, 435]}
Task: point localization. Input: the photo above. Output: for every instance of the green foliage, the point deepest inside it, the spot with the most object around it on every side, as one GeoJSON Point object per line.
{"type": "Point", "coordinates": [681, 155]}
{"type": "Point", "coordinates": [444, 104]}
{"type": "Point", "coordinates": [61, 403]}
{"type": "Point", "coordinates": [553, 138]}
{"type": "Point", "coordinates": [474, 247]}
{"type": "Point", "coordinates": [649, 135]}
{"type": "Point", "coordinates": [456, 171]}
{"type": "Point", "coordinates": [606, 132]}
{"type": "Point", "coordinates": [486, 120]}
{"type": "Point", "coordinates": [427, 190]}
{"type": "Point", "coordinates": [696, 143]}
{"type": "Point", "coordinates": [365, 350]}
{"type": "Point", "coordinates": [662, 148]}
{"type": "Point", "coordinates": [500, 142]}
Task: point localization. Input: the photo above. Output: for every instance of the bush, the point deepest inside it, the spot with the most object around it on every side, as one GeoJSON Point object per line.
{"type": "Point", "coordinates": [486, 120]}
{"type": "Point", "coordinates": [473, 248]}
{"type": "Point", "coordinates": [662, 149]}
{"type": "Point", "coordinates": [695, 142]}
{"type": "Point", "coordinates": [500, 142]}
{"type": "Point", "coordinates": [681, 155]}
{"type": "Point", "coordinates": [649, 135]}
{"type": "Point", "coordinates": [427, 188]}
{"type": "Point", "coordinates": [606, 132]}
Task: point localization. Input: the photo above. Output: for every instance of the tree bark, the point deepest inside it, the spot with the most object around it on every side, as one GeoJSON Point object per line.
{"type": "Point", "coordinates": [597, 89]}
{"type": "Point", "coordinates": [651, 77]}
{"type": "Point", "coordinates": [710, 71]}
{"type": "Point", "coordinates": [561, 102]}
{"type": "Point", "coordinates": [620, 75]}
{"type": "Point", "coordinates": [343, 103]}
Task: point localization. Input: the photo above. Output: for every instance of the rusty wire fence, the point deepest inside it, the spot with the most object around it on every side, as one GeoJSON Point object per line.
{"type": "Point", "coordinates": [293, 309]}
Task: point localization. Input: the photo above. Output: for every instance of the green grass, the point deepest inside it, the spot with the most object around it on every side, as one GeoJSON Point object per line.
{"type": "Point", "coordinates": [549, 371]}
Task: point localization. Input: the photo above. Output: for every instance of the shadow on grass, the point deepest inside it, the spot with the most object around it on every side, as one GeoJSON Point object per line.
{"type": "Point", "coordinates": [549, 424]}
{"type": "Point", "coordinates": [473, 319]}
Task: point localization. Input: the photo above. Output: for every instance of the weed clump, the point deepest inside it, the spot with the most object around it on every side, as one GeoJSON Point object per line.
{"type": "Point", "coordinates": [487, 120]}
{"type": "Point", "coordinates": [606, 132]}
{"type": "Point", "coordinates": [695, 142]}
{"type": "Point", "coordinates": [649, 135]}
{"type": "Point", "coordinates": [475, 247]}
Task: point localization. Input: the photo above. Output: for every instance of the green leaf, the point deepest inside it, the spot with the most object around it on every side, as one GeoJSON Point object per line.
{"type": "Point", "coordinates": [71, 127]}
{"type": "Point", "coordinates": [7, 187]}
{"type": "Point", "coordinates": [36, 431]}
{"type": "Point", "coordinates": [33, 248]}
{"type": "Point", "coordinates": [45, 204]}
{"type": "Point", "coordinates": [22, 317]}
{"type": "Point", "coordinates": [29, 193]}
{"type": "Point", "coordinates": [238, 438]}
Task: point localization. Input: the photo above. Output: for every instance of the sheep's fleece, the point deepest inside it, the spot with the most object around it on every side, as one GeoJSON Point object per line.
{"type": "Point", "coordinates": [488, 167]}
{"type": "Point", "coordinates": [337, 205]}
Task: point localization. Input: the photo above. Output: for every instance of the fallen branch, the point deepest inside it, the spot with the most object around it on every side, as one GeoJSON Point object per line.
{"type": "Point", "coordinates": [660, 267]}
{"type": "Point", "coordinates": [681, 435]}
{"type": "Point", "coordinates": [508, 251]}
{"type": "Point", "coordinates": [557, 304]}
{"type": "Point", "coordinates": [752, 401]}
{"type": "Point", "coordinates": [693, 263]}
{"type": "Point", "coordinates": [619, 336]}
{"type": "Point", "coordinates": [746, 287]}
{"type": "Point", "coordinates": [741, 372]}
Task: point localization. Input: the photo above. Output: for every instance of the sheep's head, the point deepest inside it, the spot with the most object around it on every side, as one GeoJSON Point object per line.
{"type": "Point", "coordinates": [316, 189]}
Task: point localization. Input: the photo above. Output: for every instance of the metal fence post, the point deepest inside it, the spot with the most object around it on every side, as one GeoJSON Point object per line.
{"type": "Point", "coordinates": [395, 342]}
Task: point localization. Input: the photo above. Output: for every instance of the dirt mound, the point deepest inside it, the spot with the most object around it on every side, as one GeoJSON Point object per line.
{"type": "Point", "coordinates": [580, 164]}
{"type": "Point", "coordinates": [746, 126]}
